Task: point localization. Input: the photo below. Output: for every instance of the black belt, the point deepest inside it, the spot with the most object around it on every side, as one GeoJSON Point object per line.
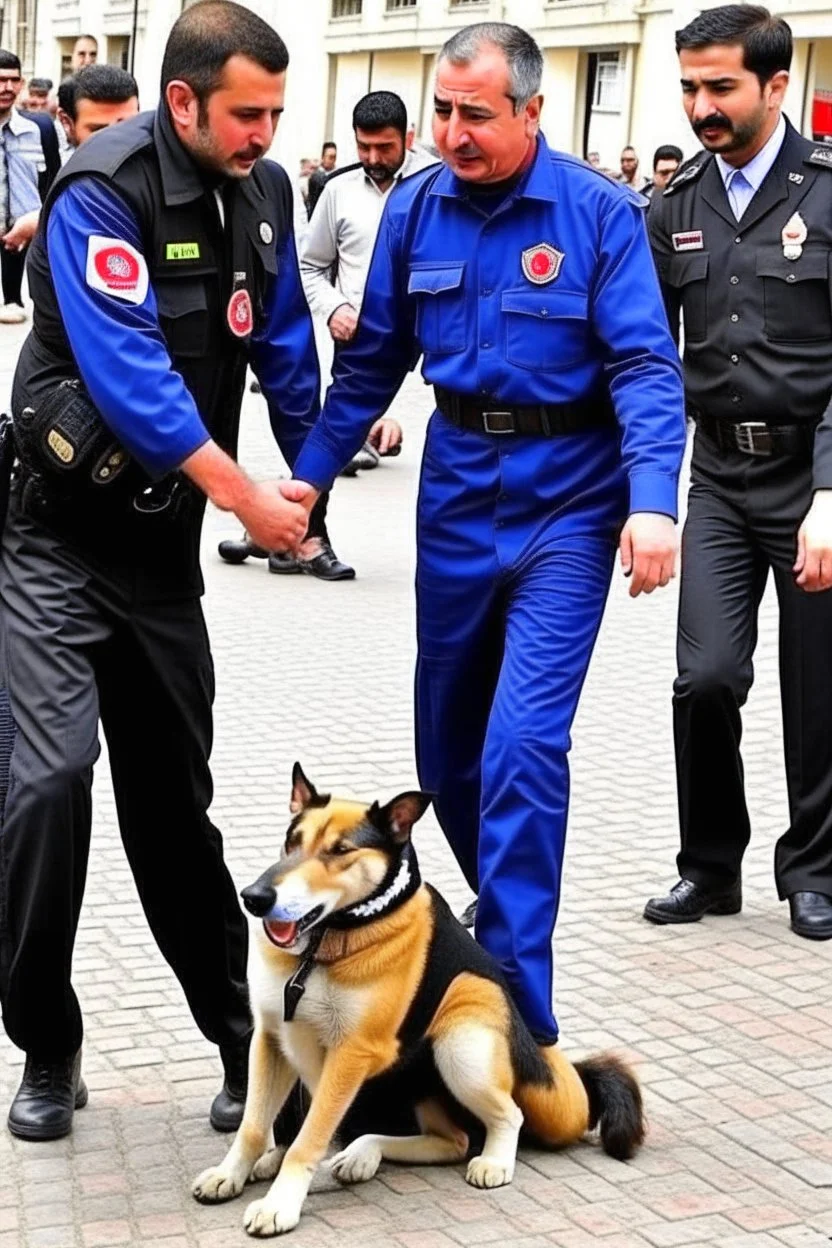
{"type": "Point", "coordinates": [542, 420]}
{"type": "Point", "coordinates": [757, 437]}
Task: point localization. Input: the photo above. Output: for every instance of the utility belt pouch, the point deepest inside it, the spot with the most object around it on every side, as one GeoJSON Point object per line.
{"type": "Point", "coordinates": [66, 443]}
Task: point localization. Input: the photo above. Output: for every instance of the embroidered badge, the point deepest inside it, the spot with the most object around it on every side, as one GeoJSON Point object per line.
{"type": "Point", "coordinates": [542, 263]}
{"type": "Point", "coordinates": [266, 232]}
{"type": "Point", "coordinates": [689, 240]}
{"type": "Point", "coordinates": [683, 176]}
{"type": "Point", "coordinates": [182, 251]}
{"type": "Point", "coordinates": [116, 268]}
{"type": "Point", "coordinates": [794, 236]}
{"type": "Point", "coordinates": [796, 177]}
{"type": "Point", "coordinates": [821, 156]}
{"type": "Point", "coordinates": [240, 315]}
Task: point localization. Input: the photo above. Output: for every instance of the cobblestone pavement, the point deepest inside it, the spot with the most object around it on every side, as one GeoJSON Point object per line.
{"type": "Point", "coordinates": [728, 1021]}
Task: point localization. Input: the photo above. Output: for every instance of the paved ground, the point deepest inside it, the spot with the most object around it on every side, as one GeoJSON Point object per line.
{"type": "Point", "coordinates": [728, 1021]}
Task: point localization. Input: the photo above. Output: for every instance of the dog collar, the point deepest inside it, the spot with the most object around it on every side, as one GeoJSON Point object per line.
{"type": "Point", "coordinates": [397, 887]}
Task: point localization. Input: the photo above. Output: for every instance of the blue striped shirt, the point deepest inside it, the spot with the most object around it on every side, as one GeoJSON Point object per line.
{"type": "Point", "coordinates": [22, 151]}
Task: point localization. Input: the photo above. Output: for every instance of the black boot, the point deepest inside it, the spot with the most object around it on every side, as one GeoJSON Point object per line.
{"type": "Point", "coordinates": [48, 1096]}
{"type": "Point", "coordinates": [229, 1103]}
{"type": "Point", "coordinates": [238, 551]}
{"type": "Point", "coordinates": [469, 915]}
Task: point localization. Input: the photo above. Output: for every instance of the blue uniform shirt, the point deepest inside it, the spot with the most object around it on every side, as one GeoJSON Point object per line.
{"type": "Point", "coordinates": [447, 280]}
{"type": "Point", "coordinates": [122, 356]}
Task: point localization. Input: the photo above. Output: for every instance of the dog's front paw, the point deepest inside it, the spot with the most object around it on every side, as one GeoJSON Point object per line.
{"type": "Point", "coordinates": [216, 1185]}
{"type": "Point", "coordinates": [267, 1166]}
{"type": "Point", "coordinates": [484, 1172]}
{"type": "Point", "coordinates": [358, 1162]}
{"type": "Point", "coordinates": [264, 1218]}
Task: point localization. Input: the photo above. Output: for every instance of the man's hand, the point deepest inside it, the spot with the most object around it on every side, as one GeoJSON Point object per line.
{"type": "Point", "coordinates": [22, 232]}
{"type": "Point", "coordinates": [385, 435]}
{"type": "Point", "coordinates": [813, 566]}
{"type": "Point", "coordinates": [648, 549]}
{"type": "Point", "coordinates": [272, 520]}
{"type": "Point", "coordinates": [299, 492]}
{"type": "Point", "coordinates": [343, 322]}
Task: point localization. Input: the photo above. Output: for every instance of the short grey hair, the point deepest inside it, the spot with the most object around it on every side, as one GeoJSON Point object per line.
{"type": "Point", "coordinates": [523, 57]}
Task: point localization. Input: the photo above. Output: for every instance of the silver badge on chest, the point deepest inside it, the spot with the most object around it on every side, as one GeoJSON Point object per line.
{"type": "Point", "coordinates": [793, 237]}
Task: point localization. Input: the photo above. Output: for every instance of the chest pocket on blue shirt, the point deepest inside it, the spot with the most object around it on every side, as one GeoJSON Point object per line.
{"type": "Point", "coordinates": [545, 330]}
{"type": "Point", "coordinates": [440, 307]}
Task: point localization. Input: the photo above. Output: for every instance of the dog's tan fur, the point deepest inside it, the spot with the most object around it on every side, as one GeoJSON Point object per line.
{"type": "Point", "coordinates": [345, 1032]}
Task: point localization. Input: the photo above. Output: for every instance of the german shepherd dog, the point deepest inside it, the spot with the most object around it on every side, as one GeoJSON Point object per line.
{"type": "Point", "coordinates": [363, 982]}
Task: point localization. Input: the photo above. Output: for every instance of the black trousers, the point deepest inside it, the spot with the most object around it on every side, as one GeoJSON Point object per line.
{"type": "Point", "coordinates": [743, 515]}
{"type": "Point", "coordinates": [74, 650]}
{"type": "Point", "coordinates": [12, 268]}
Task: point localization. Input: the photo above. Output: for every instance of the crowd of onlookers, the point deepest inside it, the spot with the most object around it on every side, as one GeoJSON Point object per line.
{"type": "Point", "coordinates": [39, 129]}
{"type": "Point", "coordinates": [666, 160]}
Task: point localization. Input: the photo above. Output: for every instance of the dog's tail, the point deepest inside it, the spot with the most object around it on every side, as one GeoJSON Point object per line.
{"type": "Point", "coordinates": [561, 1101]}
{"type": "Point", "coordinates": [615, 1105]}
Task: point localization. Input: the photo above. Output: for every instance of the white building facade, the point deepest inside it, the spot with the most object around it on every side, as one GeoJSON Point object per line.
{"type": "Point", "coordinates": [611, 75]}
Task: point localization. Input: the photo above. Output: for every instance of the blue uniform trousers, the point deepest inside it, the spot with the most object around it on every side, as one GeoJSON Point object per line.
{"type": "Point", "coordinates": [512, 580]}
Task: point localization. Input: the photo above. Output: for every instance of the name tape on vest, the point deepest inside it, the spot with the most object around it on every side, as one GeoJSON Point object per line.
{"type": "Point", "coordinates": [689, 240]}
{"type": "Point", "coordinates": [116, 268]}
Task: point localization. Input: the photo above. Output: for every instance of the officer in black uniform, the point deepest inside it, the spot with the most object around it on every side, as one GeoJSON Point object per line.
{"type": "Point", "coordinates": [165, 264]}
{"type": "Point", "coordinates": [743, 242]}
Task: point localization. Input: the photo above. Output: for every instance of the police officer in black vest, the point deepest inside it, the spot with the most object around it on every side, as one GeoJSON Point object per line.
{"type": "Point", "coordinates": [743, 243]}
{"type": "Point", "coordinates": [165, 264]}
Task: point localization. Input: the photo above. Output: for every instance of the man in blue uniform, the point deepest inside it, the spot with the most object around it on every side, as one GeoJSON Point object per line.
{"type": "Point", "coordinates": [525, 278]}
{"type": "Point", "coordinates": [164, 265]}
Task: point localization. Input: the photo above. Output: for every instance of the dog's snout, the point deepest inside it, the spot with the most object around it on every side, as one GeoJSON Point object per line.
{"type": "Point", "coordinates": [259, 898]}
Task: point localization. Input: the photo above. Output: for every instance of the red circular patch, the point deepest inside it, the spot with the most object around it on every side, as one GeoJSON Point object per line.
{"type": "Point", "coordinates": [541, 264]}
{"type": "Point", "coordinates": [117, 268]}
{"type": "Point", "coordinates": [240, 314]}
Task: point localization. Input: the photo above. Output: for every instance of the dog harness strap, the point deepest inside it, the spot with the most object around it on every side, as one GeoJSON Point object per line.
{"type": "Point", "coordinates": [296, 986]}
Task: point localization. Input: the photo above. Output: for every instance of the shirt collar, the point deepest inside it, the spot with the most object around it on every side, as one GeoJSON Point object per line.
{"type": "Point", "coordinates": [538, 182]}
{"type": "Point", "coordinates": [758, 167]}
{"type": "Point", "coordinates": [18, 124]}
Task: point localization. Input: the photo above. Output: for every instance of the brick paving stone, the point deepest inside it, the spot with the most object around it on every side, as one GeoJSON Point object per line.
{"type": "Point", "coordinates": [728, 1021]}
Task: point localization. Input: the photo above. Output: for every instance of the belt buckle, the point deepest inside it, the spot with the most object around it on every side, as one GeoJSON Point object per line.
{"type": "Point", "coordinates": [747, 436]}
{"type": "Point", "coordinates": [509, 427]}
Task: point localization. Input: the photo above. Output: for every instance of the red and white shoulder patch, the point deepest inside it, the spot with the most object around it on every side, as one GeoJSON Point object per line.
{"type": "Point", "coordinates": [116, 268]}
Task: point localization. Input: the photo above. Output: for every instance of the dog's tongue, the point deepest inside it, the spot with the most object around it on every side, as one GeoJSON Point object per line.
{"type": "Point", "coordinates": [280, 932]}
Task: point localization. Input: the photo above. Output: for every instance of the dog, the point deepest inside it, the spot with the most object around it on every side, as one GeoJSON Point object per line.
{"type": "Point", "coordinates": [366, 988]}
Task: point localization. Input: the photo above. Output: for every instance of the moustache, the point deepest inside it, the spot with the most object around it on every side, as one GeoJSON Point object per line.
{"type": "Point", "coordinates": [250, 153]}
{"type": "Point", "coordinates": [715, 121]}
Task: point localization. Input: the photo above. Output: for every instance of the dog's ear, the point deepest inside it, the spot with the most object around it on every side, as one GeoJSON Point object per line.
{"type": "Point", "coordinates": [398, 817]}
{"type": "Point", "coordinates": [303, 790]}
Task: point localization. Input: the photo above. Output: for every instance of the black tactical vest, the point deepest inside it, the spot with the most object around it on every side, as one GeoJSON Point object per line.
{"type": "Point", "coordinates": [196, 264]}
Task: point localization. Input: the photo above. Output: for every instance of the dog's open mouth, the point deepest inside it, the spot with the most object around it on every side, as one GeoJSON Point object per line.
{"type": "Point", "coordinates": [284, 932]}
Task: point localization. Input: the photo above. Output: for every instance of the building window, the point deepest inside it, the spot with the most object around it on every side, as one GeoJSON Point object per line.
{"type": "Point", "coordinates": [346, 8]}
{"type": "Point", "coordinates": [394, 5]}
{"type": "Point", "coordinates": [608, 79]}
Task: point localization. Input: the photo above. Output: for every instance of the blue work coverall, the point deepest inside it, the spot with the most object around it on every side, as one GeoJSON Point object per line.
{"type": "Point", "coordinates": [516, 534]}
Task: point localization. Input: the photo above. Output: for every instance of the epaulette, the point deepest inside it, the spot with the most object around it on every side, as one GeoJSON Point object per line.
{"type": "Point", "coordinates": [687, 174]}
{"type": "Point", "coordinates": [821, 157]}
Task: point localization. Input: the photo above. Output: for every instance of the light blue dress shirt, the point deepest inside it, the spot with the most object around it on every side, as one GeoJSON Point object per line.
{"type": "Point", "coordinates": [742, 184]}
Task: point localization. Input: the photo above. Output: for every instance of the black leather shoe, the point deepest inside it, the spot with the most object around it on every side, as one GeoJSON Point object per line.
{"type": "Point", "coordinates": [48, 1096]}
{"type": "Point", "coordinates": [238, 552]}
{"type": "Point", "coordinates": [327, 566]}
{"type": "Point", "coordinates": [469, 915]}
{"type": "Point", "coordinates": [283, 564]}
{"type": "Point", "coordinates": [811, 915]}
{"type": "Point", "coordinates": [688, 903]}
{"type": "Point", "coordinates": [229, 1103]}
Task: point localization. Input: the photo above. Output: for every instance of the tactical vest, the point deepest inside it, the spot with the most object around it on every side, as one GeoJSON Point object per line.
{"type": "Point", "coordinates": [195, 265]}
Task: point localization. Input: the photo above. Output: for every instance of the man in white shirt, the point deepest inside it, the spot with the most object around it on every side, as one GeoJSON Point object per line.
{"type": "Point", "coordinates": [335, 257]}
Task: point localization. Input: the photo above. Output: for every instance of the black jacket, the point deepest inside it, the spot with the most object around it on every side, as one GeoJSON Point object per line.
{"type": "Point", "coordinates": [757, 325]}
